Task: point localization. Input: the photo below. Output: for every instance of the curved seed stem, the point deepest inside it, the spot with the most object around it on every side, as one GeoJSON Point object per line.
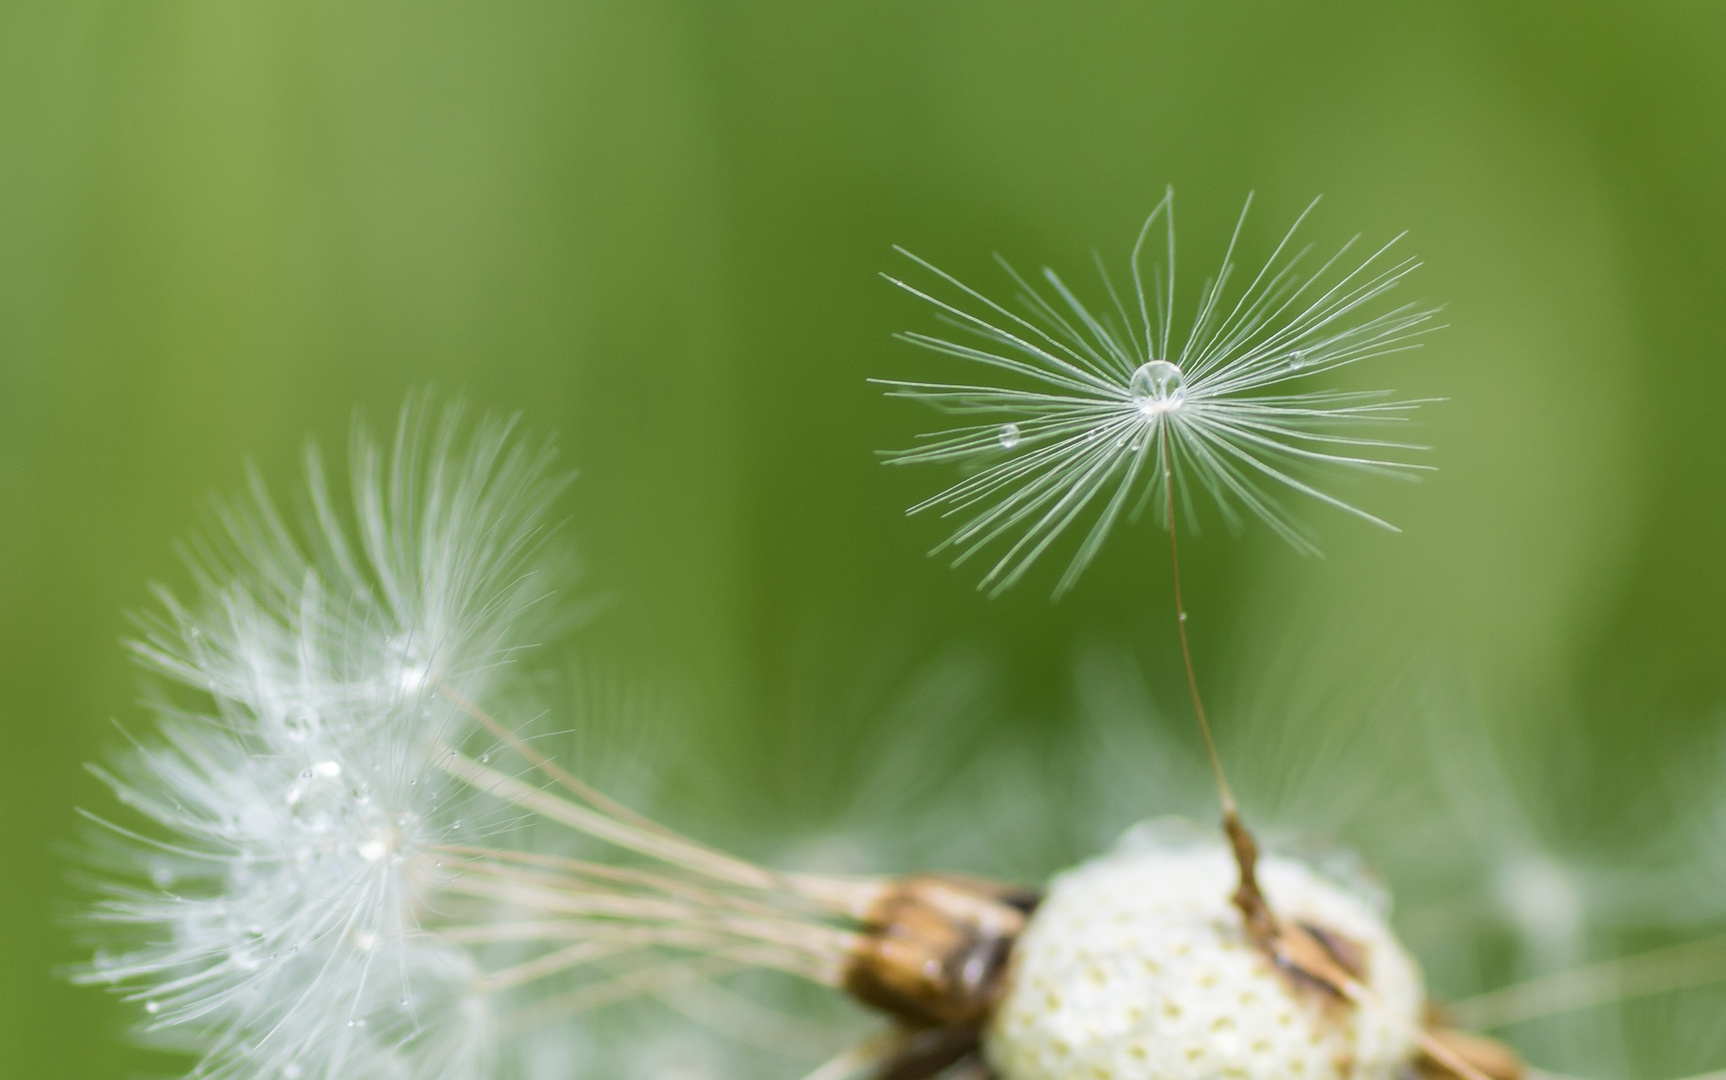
{"type": "Point", "coordinates": [1249, 899]}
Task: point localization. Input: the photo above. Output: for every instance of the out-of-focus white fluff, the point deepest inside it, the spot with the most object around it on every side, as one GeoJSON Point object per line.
{"type": "Point", "coordinates": [271, 916]}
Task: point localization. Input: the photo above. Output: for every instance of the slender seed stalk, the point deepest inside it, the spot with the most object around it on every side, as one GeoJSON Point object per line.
{"type": "Point", "coordinates": [1248, 898]}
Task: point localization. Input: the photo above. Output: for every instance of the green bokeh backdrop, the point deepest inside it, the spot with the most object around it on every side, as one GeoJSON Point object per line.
{"type": "Point", "coordinates": [654, 228]}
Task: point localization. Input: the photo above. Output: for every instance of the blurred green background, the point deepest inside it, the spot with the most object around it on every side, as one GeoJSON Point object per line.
{"type": "Point", "coordinates": [654, 228]}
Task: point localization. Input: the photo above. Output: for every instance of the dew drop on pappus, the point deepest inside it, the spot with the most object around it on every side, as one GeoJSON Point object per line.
{"type": "Point", "coordinates": [1157, 387]}
{"type": "Point", "coordinates": [1008, 436]}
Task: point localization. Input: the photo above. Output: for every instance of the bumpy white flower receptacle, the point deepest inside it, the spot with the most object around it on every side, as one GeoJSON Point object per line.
{"type": "Point", "coordinates": [1136, 967]}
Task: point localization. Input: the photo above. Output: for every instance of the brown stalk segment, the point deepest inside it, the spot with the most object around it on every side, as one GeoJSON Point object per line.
{"type": "Point", "coordinates": [936, 950]}
{"type": "Point", "coordinates": [1249, 899]}
{"type": "Point", "coordinates": [943, 1051]}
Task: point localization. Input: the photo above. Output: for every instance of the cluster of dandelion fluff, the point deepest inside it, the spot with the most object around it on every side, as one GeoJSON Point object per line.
{"type": "Point", "coordinates": [328, 875]}
{"type": "Point", "coordinates": [275, 917]}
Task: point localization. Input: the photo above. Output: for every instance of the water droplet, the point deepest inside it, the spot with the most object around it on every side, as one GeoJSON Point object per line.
{"type": "Point", "coordinates": [1009, 436]}
{"type": "Point", "coordinates": [152, 1007]}
{"type": "Point", "coordinates": [1297, 360]}
{"type": "Point", "coordinates": [291, 1071]}
{"type": "Point", "coordinates": [1158, 387]}
{"type": "Point", "coordinates": [1183, 616]}
{"type": "Point", "coordinates": [318, 799]}
{"type": "Point", "coordinates": [484, 758]}
{"type": "Point", "coordinates": [455, 824]}
{"type": "Point", "coordinates": [402, 1001]}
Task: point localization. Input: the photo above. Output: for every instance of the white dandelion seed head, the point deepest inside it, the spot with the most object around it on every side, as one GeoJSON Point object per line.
{"type": "Point", "coordinates": [273, 913]}
{"type": "Point", "coordinates": [1105, 410]}
{"type": "Point", "coordinates": [1135, 967]}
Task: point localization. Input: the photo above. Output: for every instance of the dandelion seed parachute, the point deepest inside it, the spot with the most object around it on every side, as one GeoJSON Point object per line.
{"type": "Point", "coordinates": [1111, 407]}
{"type": "Point", "coordinates": [271, 912]}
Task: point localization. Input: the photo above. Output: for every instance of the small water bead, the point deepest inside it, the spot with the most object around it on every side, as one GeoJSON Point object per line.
{"type": "Point", "coordinates": [1297, 360]}
{"type": "Point", "coordinates": [152, 1007]}
{"type": "Point", "coordinates": [1158, 387]}
{"type": "Point", "coordinates": [1009, 436]}
{"type": "Point", "coordinates": [318, 800]}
